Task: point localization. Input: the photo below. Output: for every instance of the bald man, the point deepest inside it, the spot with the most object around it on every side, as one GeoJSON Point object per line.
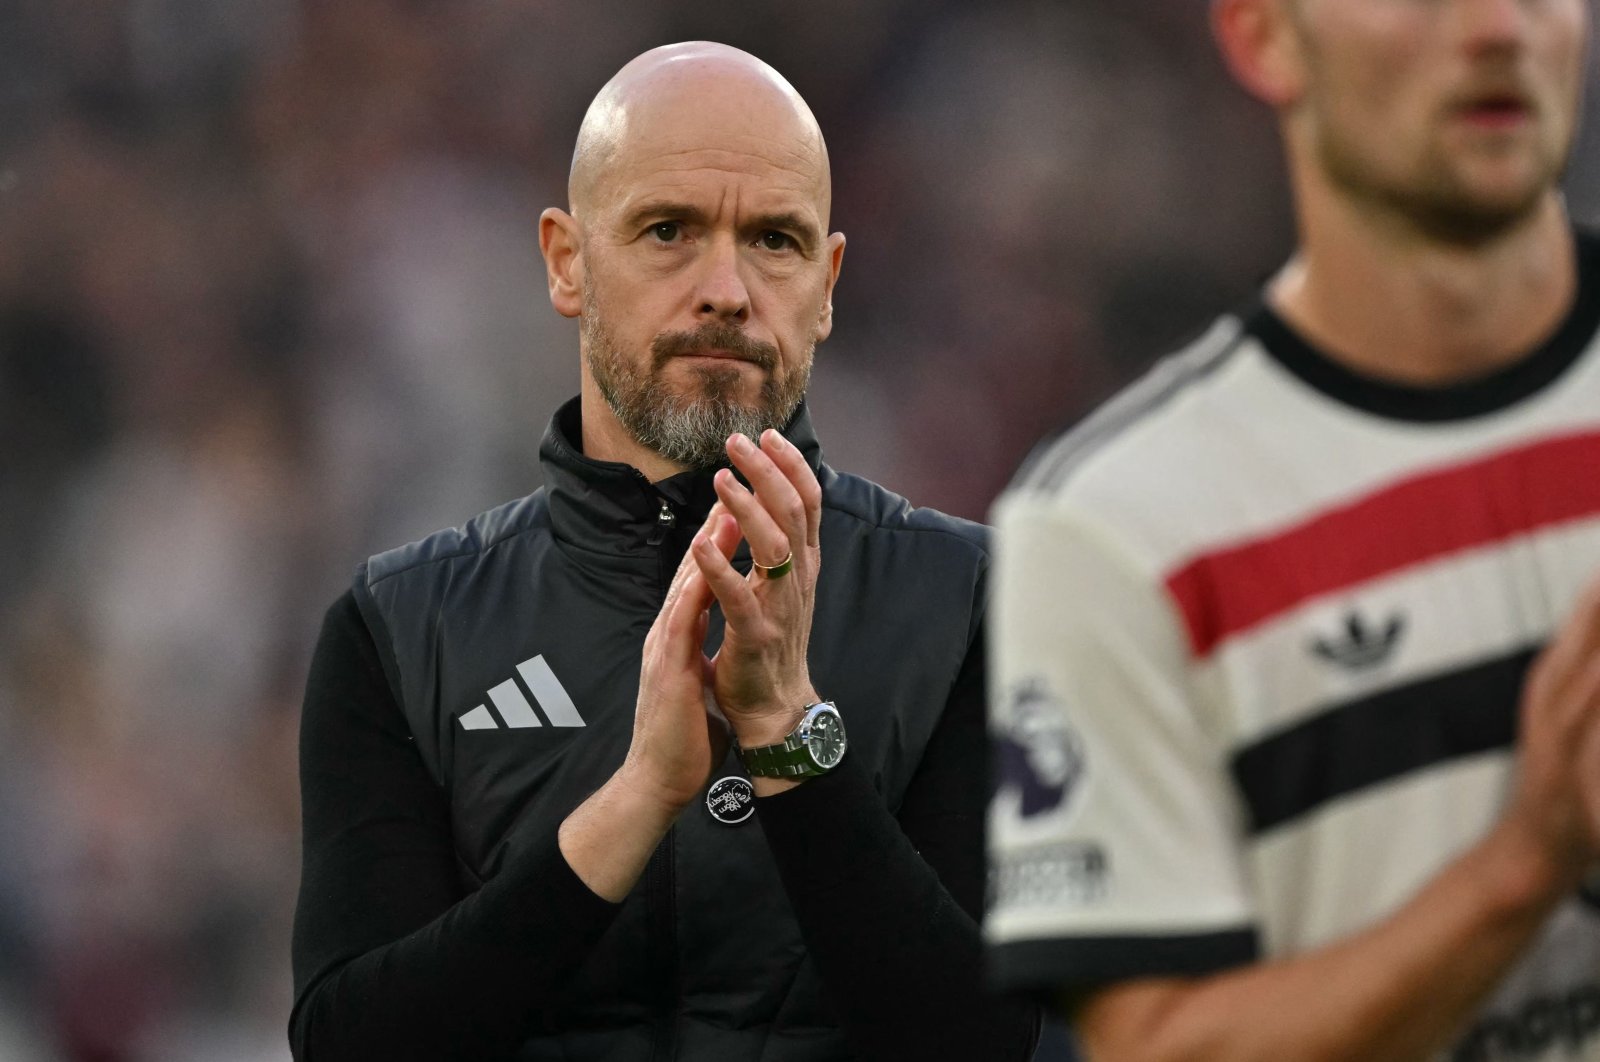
{"type": "Point", "coordinates": [680, 756]}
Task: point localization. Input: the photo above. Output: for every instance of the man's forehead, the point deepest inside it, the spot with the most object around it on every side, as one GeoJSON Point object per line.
{"type": "Point", "coordinates": [699, 113]}
{"type": "Point", "coordinates": [703, 167]}
{"type": "Point", "coordinates": [712, 195]}
{"type": "Point", "coordinates": [753, 159]}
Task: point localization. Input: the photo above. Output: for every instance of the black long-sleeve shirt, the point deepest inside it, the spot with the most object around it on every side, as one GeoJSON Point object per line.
{"type": "Point", "coordinates": [395, 959]}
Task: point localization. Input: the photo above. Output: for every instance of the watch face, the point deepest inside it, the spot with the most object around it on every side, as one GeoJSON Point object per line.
{"type": "Point", "coordinates": [825, 739]}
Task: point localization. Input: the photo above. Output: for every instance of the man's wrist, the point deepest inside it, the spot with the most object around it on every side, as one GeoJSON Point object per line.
{"type": "Point", "coordinates": [644, 794]}
{"type": "Point", "coordinates": [755, 733]}
{"type": "Point", "coordinates": [607, 840]}
{"type": "Point", "coordinates": [771, 726]}
{"type": "Point", "coordinates": [1520, 872]}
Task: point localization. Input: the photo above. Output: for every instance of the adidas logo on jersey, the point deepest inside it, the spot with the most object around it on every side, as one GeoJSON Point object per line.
{"type": "Point", "coordinates": [513, 706]}
{"type": "Point", "coordinates": [1359, 645]}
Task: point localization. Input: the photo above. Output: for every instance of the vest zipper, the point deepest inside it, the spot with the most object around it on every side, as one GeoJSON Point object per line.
{"type": "Point", "coordinates": [666, 520]}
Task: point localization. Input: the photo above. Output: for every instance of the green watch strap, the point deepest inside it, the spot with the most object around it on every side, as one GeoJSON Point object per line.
{"type": "Point", "coordinates": [790, 759]}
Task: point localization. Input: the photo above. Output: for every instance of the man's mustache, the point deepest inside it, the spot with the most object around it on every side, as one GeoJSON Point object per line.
{"type": "Point", "coordinates": [713, 336]}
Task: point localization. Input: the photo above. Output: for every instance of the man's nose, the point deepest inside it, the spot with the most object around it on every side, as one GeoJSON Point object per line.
{"type": "Point", "coordinates": [1494, 25]}
{"type": "Point", "coordinates": [722, 292]}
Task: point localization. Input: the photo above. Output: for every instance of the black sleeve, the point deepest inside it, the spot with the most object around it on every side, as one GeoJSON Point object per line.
{"type": "Point", "coordinates": [393, 959]}
{"type": "Point", "coordinates": [890, 909]}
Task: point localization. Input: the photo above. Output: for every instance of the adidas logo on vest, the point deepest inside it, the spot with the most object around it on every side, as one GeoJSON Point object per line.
{"type": "Point", "coordinates": [513, 705]}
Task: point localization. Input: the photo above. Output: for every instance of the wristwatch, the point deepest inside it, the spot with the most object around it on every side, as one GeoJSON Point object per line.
{"type": "Point", "coordinates": [814, 747]}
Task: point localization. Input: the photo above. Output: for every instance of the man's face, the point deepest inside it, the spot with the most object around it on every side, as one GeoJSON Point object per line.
{"type": "Point", "coordinates": [707, 280]}
{"type": "Point", "coordinates": [1458, 114]}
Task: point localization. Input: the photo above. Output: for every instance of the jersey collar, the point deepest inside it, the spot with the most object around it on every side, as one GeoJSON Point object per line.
{"type": "Point", "coordinates": [1470, 398]}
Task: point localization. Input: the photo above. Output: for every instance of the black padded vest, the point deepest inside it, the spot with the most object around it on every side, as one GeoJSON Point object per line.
{"type": "Point", "coordinates": [705, 960]}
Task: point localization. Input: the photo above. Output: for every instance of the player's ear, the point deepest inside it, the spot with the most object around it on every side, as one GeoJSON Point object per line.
{"type": "Point", "coordinates": [835, 251]}
{"type": "Point", "coordinates": [561, 243]}
{"type": "Point", "coordinates": [1261, 42]}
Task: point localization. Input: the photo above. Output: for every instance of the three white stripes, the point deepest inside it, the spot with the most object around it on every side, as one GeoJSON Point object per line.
{"type": "Point", "coordinates": [514, 707]}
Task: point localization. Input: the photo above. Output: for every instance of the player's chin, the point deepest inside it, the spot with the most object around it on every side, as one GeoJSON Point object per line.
{"type": "Point", "coordinates": [1508, 192]}
{"type": "Point", "coordinates": [1492, 192]}
{"type": "Point", "coordinates": [1506, 174]}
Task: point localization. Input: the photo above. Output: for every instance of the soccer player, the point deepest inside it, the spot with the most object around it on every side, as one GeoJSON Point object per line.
{"type": "Point", "coordinates": [1296, 681]}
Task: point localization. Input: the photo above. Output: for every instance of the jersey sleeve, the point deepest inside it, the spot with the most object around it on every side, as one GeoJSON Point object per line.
{"type": "Point", "coordinates": [1115, 835]}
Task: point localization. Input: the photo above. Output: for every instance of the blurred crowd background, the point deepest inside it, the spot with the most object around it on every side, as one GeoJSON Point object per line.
{"type": "Point", "coordinates": [271, 300]}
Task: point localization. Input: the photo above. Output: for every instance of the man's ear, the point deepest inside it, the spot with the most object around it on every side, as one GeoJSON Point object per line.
{"type": "Point", "coordinates": [561, 243]}
{"type": "Point", "coordinates": [835, 260]}
{"type": "Point", "coordinates": [1263, 47]}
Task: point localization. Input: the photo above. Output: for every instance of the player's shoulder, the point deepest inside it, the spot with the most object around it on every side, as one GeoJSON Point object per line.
{"type": "Point", "coordinates": [1149, 431]}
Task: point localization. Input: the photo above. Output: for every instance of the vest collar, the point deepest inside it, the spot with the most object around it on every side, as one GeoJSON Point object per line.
{"type": "Point", "coordinates": [610, 507]}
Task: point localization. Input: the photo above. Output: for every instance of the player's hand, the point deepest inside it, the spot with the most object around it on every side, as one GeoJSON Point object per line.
{"type": "Point", "coordinates": [759, 675]}
{"type": "Point", "coordinates": [676, 743]}
{"type": "Point", "coordinates": [1557, 800]}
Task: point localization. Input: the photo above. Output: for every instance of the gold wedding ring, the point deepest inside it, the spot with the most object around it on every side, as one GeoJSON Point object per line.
{"type": "Point", "coordinates": [774, 571]}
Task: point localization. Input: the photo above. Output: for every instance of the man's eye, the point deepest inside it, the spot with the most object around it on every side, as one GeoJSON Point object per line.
{"type": "Point", "coordinates": [665, 231]}
{"type": "Point", "coordinates": [775, 241]}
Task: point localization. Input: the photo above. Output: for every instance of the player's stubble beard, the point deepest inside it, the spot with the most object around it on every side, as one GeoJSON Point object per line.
{"type": "Point", "coordinates": [689, 426]}
{"type": "Point", "coordinates": [1435, 199]}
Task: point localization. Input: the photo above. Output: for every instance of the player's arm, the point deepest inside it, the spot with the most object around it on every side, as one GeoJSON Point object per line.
{"type": "Point", "coordinates": [1400, 990]}
{"type": "Point", "coordinates": [1405, 988]}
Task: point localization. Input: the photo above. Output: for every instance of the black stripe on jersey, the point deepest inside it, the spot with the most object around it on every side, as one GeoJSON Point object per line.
{"type": "Point", "coordinates": [1476, 397]}
{"type": "Point", "coordinates": [1380, 737]}
{"type": "Point", "coordinates": [1053, 460]}
{"type": "Point", "coordinates": [1077, 963]}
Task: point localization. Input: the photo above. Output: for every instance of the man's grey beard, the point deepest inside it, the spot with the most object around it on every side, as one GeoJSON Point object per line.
{"type": "Point", "coordinates": [690, 427]}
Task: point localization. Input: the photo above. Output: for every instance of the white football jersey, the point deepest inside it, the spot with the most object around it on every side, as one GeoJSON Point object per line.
{"type": "Point", "coordinates": [1259, 633]}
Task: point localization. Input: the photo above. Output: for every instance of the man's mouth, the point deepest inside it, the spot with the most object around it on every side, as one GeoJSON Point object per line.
{"type": "Point", "coordinates": [713, 353]}
{"type": "Point", "coordinates": [1496, 110]}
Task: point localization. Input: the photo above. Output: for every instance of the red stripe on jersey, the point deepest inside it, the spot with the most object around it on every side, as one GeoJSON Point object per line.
{"type": "Point", "coordinates": [1230, 590]}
